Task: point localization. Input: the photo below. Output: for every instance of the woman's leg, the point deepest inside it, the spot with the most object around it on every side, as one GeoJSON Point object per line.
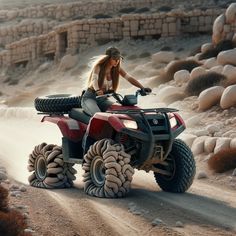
{"type": "Point", "coordinates": [89, 103]}
{"type": "Point", "coordinates": [104, 103]}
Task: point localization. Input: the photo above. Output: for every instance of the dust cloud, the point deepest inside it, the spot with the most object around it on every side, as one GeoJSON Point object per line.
{"type": "Point", "coordinates": [21, 130]}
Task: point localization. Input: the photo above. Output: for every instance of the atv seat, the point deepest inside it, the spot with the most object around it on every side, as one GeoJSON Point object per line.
{"type": "Point", "coordinates": [79, 114]}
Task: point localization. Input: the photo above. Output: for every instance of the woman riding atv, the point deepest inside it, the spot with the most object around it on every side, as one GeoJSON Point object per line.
{"type": "Point", "coordinates": [104, 77]}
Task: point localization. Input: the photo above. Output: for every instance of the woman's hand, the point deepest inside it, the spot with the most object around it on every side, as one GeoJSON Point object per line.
{"type": "Point", "coordinates": [99, 92]}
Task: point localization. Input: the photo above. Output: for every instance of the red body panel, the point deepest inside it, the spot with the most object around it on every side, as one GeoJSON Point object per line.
{"type": "Point", "coordinates": [70, 128]}
{"type": "Point", "coordinates": [102, 124]}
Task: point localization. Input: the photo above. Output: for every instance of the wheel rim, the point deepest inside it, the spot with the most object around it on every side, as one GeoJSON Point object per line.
{"type": "Point", "coordinates": [98, 171]}
{"type": "Point", "coordinates": [41, 168]}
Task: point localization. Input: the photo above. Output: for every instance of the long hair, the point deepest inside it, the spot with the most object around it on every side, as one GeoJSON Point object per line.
{"type": "Point", "coordinates": [102, 62]}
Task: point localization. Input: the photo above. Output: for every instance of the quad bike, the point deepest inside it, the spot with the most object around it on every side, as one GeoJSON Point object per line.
{"type": "Point", "coordinates": [110, 145]}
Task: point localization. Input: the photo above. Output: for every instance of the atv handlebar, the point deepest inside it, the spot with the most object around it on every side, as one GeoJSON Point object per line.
{"type": "Point", "coordinates": [120, 99]}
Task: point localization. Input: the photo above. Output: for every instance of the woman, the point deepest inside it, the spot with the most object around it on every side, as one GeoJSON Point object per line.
{"type": "Point", "coordinates": [104, 77]}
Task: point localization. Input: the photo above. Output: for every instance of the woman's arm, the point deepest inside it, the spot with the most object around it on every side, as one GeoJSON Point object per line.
{"type": "Point", "coordinates": [131, 79]}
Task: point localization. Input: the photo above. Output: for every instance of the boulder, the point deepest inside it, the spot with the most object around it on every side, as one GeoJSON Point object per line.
{"type": "Point", "coordinates": [210, 97]}
{"type": "Point", "coordinates": [230, 13]}
{"type": "Point", "coordinates": [181, 76]}
{"type": "Point", "coordinates": [206, 46]}
{"type": "Point", "coordinates": [198, 145]}
{"type": "Point", "coordinates": [211, 62]}
{"type": "Point", "coordinates": [209, 144]}
{"type": "Point", "coordinates": [218, 28]}
{"type": "Point", "coordinates": [233, 143]}
{"type": "Point", "coordinates": [217, 69]}
{"type": "Point", "coordinates": [197, 71]}
{"type": "Point", "coordinates": [228, 98]}
{"type": "Point", "coordinates": [222, 143]}
{"type": "Point", "coordinates": [230, 72]}
{"type": "Point", "coordinates": [227, 57]}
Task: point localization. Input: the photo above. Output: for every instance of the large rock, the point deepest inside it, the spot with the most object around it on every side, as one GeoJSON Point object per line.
{"type": "Point", "coordinates": [222, 143]}
{"type": "Point", "coordinates": [218, 28]}
{"type": "Point", "coordinates": [163, 57]}
{"type": "Point", "coordinates": [230, 72]}
{"type": "Point", "coordinates": [206, 46]}
{"type": "Point", "coordinates": [230, 13]}
{"type": "Point", "coordinates": [209, 144]}
{"type": "Point", "coordinates": [217, 69]}
{"type": "Point", "coordinates": [197, 71]}
{"type": "Point", "coordinates": [211, 62]}
{"type": "Point", "coordinates": [210, 97]}
{"type": "Point", "coordinates": [228, 98]}
{"type": "Point", "coordinates": [198, 145]}
{"type": "Point", "coordinates": [233, 143]}
{"type": "Point", "coordinates": [227, 57]}
{"type": "Point", "coordinates": [181, 76]}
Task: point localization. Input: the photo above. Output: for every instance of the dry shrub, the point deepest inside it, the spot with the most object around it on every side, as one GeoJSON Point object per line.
{"type": "Point", "coordinates": [195, 51]}
{"type": "Point", "coordinates": [101, 16]}
{"type": "Point", "coordinates": [202, 82]}
{"type": "Point", "coordinates": [142, 10]}
{"type": "Point", "coordinates": [188, 65]}
{"type": "Point", "coordinates": [3, 199]}
{"type": "Point", "coordinates": [223, 160]}
{"type": "Point", "coordinates": [213, 52]}
{"type": "Point", "coordinates": [127, 10]}
{"type": "Point", "coordinates": [12, 224]}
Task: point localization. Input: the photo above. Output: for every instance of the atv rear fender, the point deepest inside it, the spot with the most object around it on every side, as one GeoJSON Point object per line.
{"type": "Point", "coordinates": [70, 128]}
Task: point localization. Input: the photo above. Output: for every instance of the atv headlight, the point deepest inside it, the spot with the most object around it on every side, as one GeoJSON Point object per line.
{"type": "Point", "coordinates": [173, 121]}
{"type": "Point", "coordinates": [130, 124]}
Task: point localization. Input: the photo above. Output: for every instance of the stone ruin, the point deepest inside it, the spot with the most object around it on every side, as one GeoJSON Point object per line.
{"type": "Point", "coordinates": [52, 31]}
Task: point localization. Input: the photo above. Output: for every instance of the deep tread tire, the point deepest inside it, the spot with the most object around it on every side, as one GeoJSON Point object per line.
{"type": "Point", "coordinates": [184, 169]}
{"type": "Point", "coordinates": [57, 103]}
{"type": "Point", "coordinates": [49, 169]}
{"type": "Point", "coordinates": [108, 173]}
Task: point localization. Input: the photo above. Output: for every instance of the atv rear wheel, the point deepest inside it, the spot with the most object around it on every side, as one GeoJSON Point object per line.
{"type": "Point", "coordinates": [108, 173]}
{"type": "Point", "coordinates": [181, 164]}
{"type": "Point", "coordinates": [49, 169]}
{"type": "Point", "coordinates": [57, 103]}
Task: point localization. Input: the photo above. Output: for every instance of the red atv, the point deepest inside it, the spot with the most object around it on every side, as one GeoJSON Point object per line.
{"type": "Point", "coordinates": [110, 145]}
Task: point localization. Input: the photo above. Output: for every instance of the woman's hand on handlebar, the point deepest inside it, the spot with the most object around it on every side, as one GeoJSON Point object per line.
{"type": "Point", "coordinates": [145, 91]}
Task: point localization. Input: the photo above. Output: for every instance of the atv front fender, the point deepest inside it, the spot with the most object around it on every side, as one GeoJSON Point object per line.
{"type": "Point", "coordinates": [103, 125]}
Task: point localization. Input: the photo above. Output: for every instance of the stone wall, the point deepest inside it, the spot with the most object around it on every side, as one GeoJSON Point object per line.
{"type": "Point", "coordinates": [42, 19]}
{"type": "Point", "coordinates": [88, 9]}
{"type": "Point", "coordinates": [80, 34]}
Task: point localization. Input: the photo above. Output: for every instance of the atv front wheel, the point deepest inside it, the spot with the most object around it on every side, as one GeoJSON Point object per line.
{"type": "Point", "coordinates": [181, 165]}
{"type": "Point", "coordinates": [49, 169]}
{"type": "Point", "coordinates": [108, 173]}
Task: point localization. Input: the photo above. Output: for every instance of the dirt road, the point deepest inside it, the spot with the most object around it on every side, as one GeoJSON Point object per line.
{"type": "Point", "coordinates": [204, 210]}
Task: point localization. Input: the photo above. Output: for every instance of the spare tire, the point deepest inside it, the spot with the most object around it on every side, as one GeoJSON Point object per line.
{"type": "Point", "coordinates": [57, 103]}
